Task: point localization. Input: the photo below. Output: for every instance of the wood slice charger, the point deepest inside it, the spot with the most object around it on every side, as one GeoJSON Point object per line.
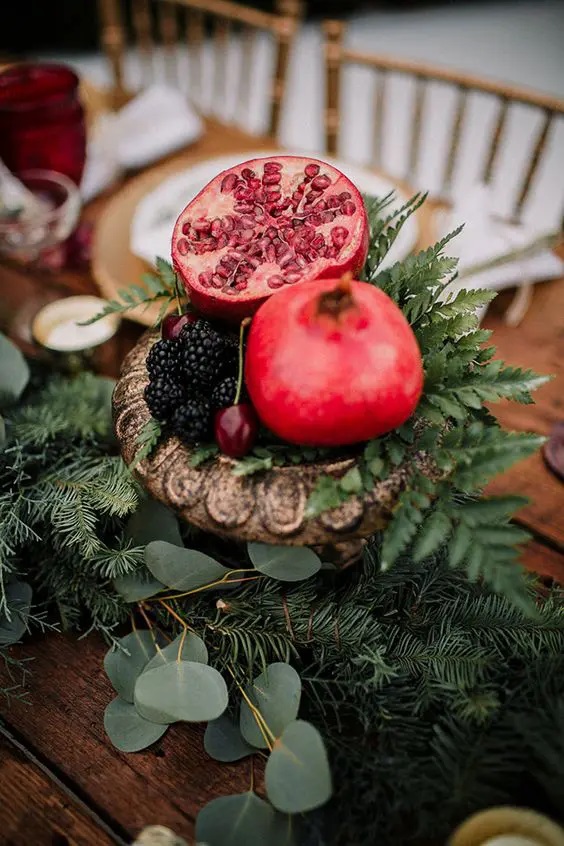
{"type": "Point", "coordinates": [269, 506]}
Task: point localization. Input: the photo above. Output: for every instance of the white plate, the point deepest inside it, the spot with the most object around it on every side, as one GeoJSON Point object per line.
{"type": "Point", "coordinates": [156, 214]}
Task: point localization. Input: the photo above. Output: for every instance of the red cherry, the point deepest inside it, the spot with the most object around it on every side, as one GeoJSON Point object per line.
{"type": "Point", "coordinates": [235, 429]}
{"type": "Point", "coordinates": [173, 324]}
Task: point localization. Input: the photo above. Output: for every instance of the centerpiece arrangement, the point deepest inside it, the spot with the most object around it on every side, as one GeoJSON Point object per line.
{"type": "Point", "coordinates": [303, 410]}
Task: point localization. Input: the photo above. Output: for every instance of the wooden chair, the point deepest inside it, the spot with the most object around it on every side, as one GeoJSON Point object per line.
{"type": "Point", "coordinates": [545, 113]}
{"type": "Point", "coordinates": [551, 109]}
{"type": "Point", "coordinates": [168, 25]}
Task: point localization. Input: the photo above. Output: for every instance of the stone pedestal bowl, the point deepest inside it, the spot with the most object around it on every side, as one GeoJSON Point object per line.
{"type": "Point", "coordinates": [268, 506]}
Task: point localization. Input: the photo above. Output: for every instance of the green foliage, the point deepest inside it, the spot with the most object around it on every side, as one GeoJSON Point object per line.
{"type": "Point", "coordinates": [127, 729]}
{"type": "Point", "coordinates": [160, 287]}
{"type": "Point", "coordinates": [182, 569]}
{"type": "Point", "coordinates": [147, 440]}
{"type": "Point", "coordinates": [223, 741]}
{"type": "Point", "coordinates": [464, 445]}
{"type": "Point", "coordinates": [14, 372]}
{"type": "Point", "coordinates": [285, 563]}
{"type": "Point", "coordinates": [181, 690]}
{"type": "Point", "coordinates": [276, 694]}
{"type": "Point", "coordinates": [63, 496]}
{"type": "Point", "coordinates": [297, 775]}
{"type": "Point", "coordinates": [243, 820]}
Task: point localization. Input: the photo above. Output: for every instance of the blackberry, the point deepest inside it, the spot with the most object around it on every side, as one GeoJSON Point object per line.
{"type": "Point", "coordinates": [191, 420]}
{"type": "Point", "coordinates": [223, 395]}
{"type": "Point", "coordinates": [207, 354]}
{"type": "Point", "coordinates": [165, 360]}
{"type": "Point", "coordinates": [162, 397]}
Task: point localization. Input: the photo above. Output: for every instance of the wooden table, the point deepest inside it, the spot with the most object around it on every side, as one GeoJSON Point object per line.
{"type": "Point", "coordinates": [61, 781]}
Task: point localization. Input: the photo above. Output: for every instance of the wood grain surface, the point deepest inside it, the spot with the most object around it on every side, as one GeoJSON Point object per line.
{"type": "Point", "coordinates": [39, 810]}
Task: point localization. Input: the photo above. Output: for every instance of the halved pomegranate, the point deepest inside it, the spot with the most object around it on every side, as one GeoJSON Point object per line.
{"type": "Point", "coordinates": [263, 225]}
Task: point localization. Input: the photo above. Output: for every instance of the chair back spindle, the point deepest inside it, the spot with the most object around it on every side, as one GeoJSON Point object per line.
{"type": "Point", "coordinates": [338, 57]}
{"type": "Point", "coordinates": [199, 26]}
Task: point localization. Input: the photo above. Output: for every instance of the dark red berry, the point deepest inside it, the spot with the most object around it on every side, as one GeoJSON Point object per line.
{"type": "Point", "coordinates": [235, 429]}
{"type": "Point", "coordinates": [173, 324]}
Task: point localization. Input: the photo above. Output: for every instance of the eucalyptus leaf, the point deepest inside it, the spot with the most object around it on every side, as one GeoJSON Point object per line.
{"type": "Point", "coordinates": [193, 649]}
{"type": "Point", "coordinates": [127, 729]}
{"type": "Point", "coordinates": [2, 432]}
{"type": "Point", "coordinates": [223, 741]}
{"type": "Point", "coordinates": [297, 775]}
{"type": "Point", "coordinates": [181, 690]}
{"type": "Point", "coordinates": [13, 620]}
{"type": "Point", "coordinates": [285, 563]}
{"type": "Point", "coordinates": [136, 586]}
{"type": "Point", "coordinates": [14, 372]}
{"type": "Point", "coordinates": [276, 693]}
{"type": "Point", "coordinates": [182, 569]}
{"type": "Point", "coordinates": [125, 663]}
{"type": "Point", "coordinates": [243, 820]}
{"type": "Point", "coordinates": [153, 521]}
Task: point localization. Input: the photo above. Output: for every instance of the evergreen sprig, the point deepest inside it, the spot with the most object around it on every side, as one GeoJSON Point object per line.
{"type": "Point", "coordinates": [160, 287]}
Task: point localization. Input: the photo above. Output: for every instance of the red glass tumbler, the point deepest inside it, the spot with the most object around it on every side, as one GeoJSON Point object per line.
{"type": "Point", "coordinates": [42, 120]}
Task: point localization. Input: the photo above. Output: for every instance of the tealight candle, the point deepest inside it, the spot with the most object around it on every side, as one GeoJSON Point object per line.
{"type": "Point", "coordinates": [57, 326]}
{"type": "Point", "coordinates": [507, 826]}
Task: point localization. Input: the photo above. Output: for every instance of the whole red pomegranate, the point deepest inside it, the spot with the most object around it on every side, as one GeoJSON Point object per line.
{"type": "Point", "coordinates": [264, 225]}
{"type": "Point", "coordinates": [332, 362]}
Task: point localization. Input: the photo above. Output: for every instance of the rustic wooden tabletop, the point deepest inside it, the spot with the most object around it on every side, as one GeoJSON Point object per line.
{"type": "Point", "coordinates": [61, 781]}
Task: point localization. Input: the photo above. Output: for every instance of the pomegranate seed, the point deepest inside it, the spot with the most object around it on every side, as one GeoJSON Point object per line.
{"type": "Point", "coordinates": [317, 242]}
{"type": "Point", "coordinates": [223, 272]}
{"type": "Point", "coordinates": [312, 170]}
{"type": "Point", "coordinates": [202, 225]}
{"type": "Point", "coordinates": [315, 219]}
{"type": "Point", "coordinates": [216, 227]}
{"type": "Point", "coordinates": [297, 195]}
{"type": "Point", "coordinates": [241, 193]}
{"type": "Point", "coordinates": [272, 167]}
{"type": "Point", "coordinates": [271, 178]}
{"type": "Point", "coordinates": [246, 235]}
{"type": "Point", "coordinates": [244, 208]}
{"type": "Point", "coordinates": [228, 183]}
{"type": "Point", "coordinates": [270, 253]}
{"type": "Point", "coordinates": [275, 282]}
{"type": "Point", "coordinates": [254, 184]}
{"type": "Point", "coordinates": [300, 260]}
{"type": "Point", "coordinates": [259, 196]}
{"type": "Point", "coordinates": [217, 281]}
{"type": "Point", "coordinates": [344, 196]}
{"type": "Point", "coordinates": [247, 173]}
{"type": "Point", "coordinates": [273, 196]}
{"type": "Point", "coordinates": [228, 223]}
{"type": "Point", "coordinates": [254, 262]}
{"type": "Point", "coordinates": [348, 208]}
{"type": "Point", "coordinates": [271, 232]}
{"type": "Point", "coordinates": [333, 202]}
{"type": "Point", "coordinates": [233, 241]}
{"type": "Point", "coordinates": [186, 228]}
{"type": "Point", "coordinates": [331, 252]}
{"type": "Point", "coordinates": [339, 235]}
{"type": "Point", "coordinates": [247, 221]}
{"type": "Point", "coordinates": [328, 217]}
{"type": "Point", "coordinates": [222, 241]}
{"type": "Point", "coordinates": [183, 246]}
{"type": "Point", "coordinates": [283, 261]}
{"type": "Point", "coordinates": [293, 265]}
{"type": "Point", "coordinates": [320, 206]}
{"type": "Point", "coordinates": [240, 286]}
{"type": "Point", "coordinates": [321, 182]}
{"type": "Point", "coordinates": [313, 195]}
{"type": "Point", "coordinates": [293, 277]}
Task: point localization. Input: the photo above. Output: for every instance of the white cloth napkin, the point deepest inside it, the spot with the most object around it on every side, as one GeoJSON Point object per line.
{"type": "Point", "coordinates": [152, 125]}
{"type": "Point", "coordinates": [485, 239]}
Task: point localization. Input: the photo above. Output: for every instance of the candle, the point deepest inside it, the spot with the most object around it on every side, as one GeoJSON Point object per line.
{"type": "Point", "coordinates": [57, 328]}
{"type": "Point", "coordinates": [507, 826]}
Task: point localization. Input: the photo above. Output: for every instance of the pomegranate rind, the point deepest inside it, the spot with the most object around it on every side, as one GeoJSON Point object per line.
{"type": "Point", "coordinates": [233, 254]}
{"type": "Point", "coordinates": [321, 380]}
